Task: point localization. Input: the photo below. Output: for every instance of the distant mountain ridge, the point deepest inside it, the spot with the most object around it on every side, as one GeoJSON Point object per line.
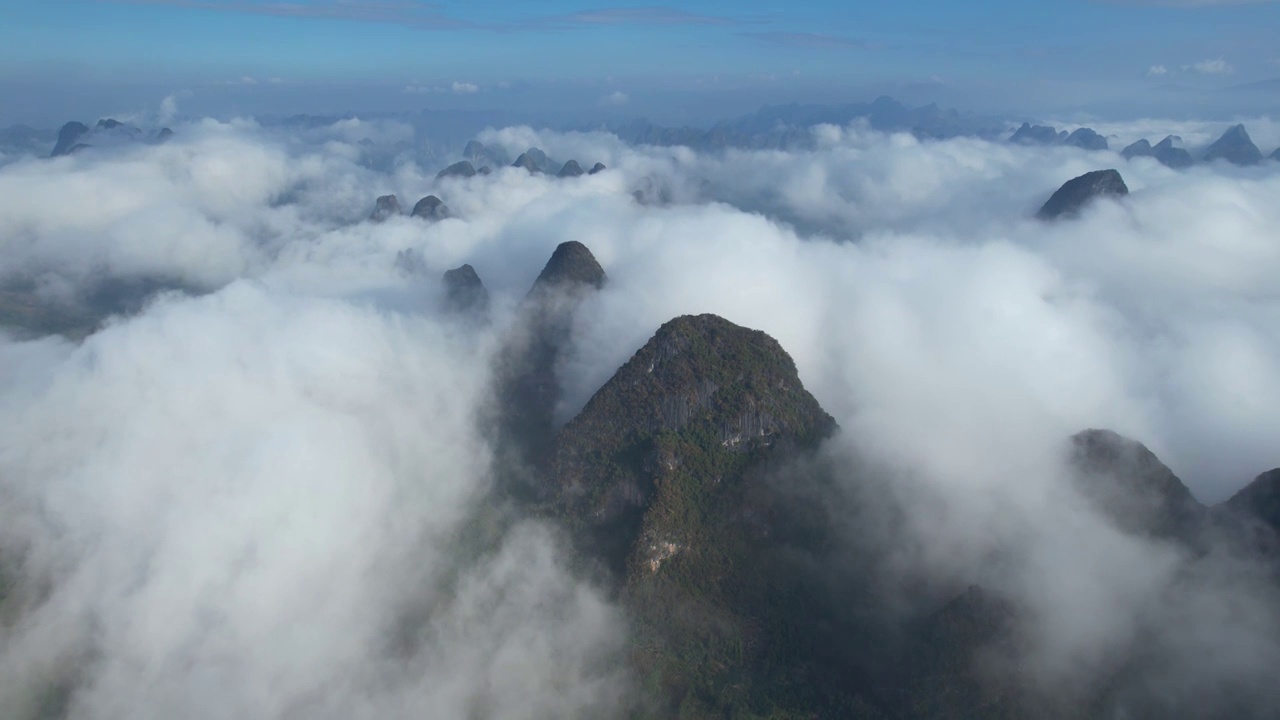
{"type": "Point", "coordinates": [789, 126]}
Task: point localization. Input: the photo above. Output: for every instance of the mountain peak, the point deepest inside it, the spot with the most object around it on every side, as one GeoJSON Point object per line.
{"type": "Point", "coordinates": [68, 137]}
{"type": "Point", "coordinates": [463, 169]}
{"type": "Point", "coordinates": [702, 382]}
{"type": "Point", "coordinates": [1141, 148]}
{"type": "Point", "coordinates": [1029, 134]}
{"type": "Point", "coordinates": [667, 477]}
{"type": "Point", "coordinates": [430, 208]}
{"type": "Point", "coordinates": [572, 264]}
{"type": "Point", "coordinates": [1235, 146]}
{"type": "Point", "coordinates": [571, 169]}
{"type": "Point", "coordinates": [464, 292]}
{"type": "Point", "coordinates": [385, 207]}
{"type": "Point", "coordinates": [526, 162]}
{"type": "Point", "coordinates": [1087, 139]}
{"type": "Point", "coordinates": [1260, 499]}
{"type": "Point", "coordinates": [1078, 192]}
{"type": "Point", "coordinates": [1128, 483]}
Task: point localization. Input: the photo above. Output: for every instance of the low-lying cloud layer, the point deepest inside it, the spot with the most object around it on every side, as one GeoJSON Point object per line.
{"type": "Point", "coordinates": [262, 499]}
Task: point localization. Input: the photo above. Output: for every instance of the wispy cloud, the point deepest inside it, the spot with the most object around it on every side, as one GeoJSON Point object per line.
{"type": "Point", "coordinates": [456, 87]}
{"type": "Point", "coordinates": [616, 98]}
{"type": "Point", "coordinates": [642, 16]}
{"type": "Point", "coordinates": [806, 39]}
{"type": "Point", "coordinates": [245, 81]}
{"type": "Point", "coordinates": [430, 16]}
{"type": "Point", "coordinates": [397, 12]}
{"type": "Point", "coordinates": [1157, 71]}
{"type": "Point", "coordinates": [1209, 67]}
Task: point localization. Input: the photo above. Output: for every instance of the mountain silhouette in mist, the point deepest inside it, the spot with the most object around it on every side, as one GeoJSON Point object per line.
{"type": "Point", "coordinates": [385, 208]}
{"type": "Point", "coordinates": [1078, 192]}
{"type": "Point", "coordinates": [1165, 152]}
{"type": "Point", "coordinates": [1235, 146]}
{"type": "Point", "coordinates": [790, 126]}
{"type": "Point", "coordinates": [430, 208]}
{"type": "Point", "coordinates": [1084, 138]}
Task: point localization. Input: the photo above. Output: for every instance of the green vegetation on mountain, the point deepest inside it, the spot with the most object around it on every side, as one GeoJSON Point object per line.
{"type": "Point", "coordinates": [674, 475]}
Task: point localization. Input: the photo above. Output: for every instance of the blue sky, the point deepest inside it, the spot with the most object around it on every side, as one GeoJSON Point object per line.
{"type": "Point", "coordinates": [695, 56]}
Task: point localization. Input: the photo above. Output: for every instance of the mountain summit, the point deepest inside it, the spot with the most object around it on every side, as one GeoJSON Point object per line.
{"type": "Point", "coordinates": [1071, 198]}
{"type": "Point", "coordinates": [1235, 146]}
{"type": "Point", "coordinates": [528, 389]}
{"type": "Point", "coordinates": [572, 264]}
{"type": "Point", "coordinates": [68, 138]}
{"type": "Point", "coordinates": [666, 477]}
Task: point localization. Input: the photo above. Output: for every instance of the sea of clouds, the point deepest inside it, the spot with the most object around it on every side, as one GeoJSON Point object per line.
{"type": "Point", "coordinates": [258, 498]}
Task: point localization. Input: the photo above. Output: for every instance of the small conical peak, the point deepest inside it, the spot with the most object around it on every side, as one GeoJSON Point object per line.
{"type": "Point", "coordinates": [1088, 139]}
{"type": "Point", "coordinates": [462, 169]}
{"type": "Point", "coordinates": [109, 123]}
{"type": "Point", "coordinates": [701, 358]}
{"type": "Point", "coordinates": [570, 169]}
{"type": "Point", "coordinates": [539, 158]}
{"type": "Point", "coordinates": [430, 208]}
{"type": "Point", "coordinates": [600, 167]}
{"type": "Point", "coordinates": [68, 137]}
{"type": "Point", "coordinates": [571, 264]}
{"type": "Point", "coordinates": [385, 207]}
{"type": "Point", "coordinates": [1141, 148]}
{"type": "Point", "coordinates": [714, 388]}
{"type": "Point", "coordinates": [526, 162]}
{"type": "Point", "coordinates": [1078, 192]}
{"type": "Point", "coordinates": [1235, 146]}
{"type": "Point", "coordinates": [464, 292]}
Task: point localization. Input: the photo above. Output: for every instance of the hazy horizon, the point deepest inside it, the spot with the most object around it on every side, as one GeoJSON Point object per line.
{"type": "Point", "coordinates": [694, 64]}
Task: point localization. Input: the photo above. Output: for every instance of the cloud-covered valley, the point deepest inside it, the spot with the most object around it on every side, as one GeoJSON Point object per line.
{"type": "Point", "coordinates": [266, 492]}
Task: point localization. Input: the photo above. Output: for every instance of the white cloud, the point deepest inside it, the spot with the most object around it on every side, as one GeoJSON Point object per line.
{"type": "Point", "coordinates": [465, 88]}
{"type": "Point", "coordinates": [616, 98]}
{"type": "Point", "coordinates": [1157, 71]}
{"type": "Point", "coordinates": [1210, 67]}
{"type": "Point", "coordinates": [243, 495]}
{"type": "Point", "coordinates": [245, 81]}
